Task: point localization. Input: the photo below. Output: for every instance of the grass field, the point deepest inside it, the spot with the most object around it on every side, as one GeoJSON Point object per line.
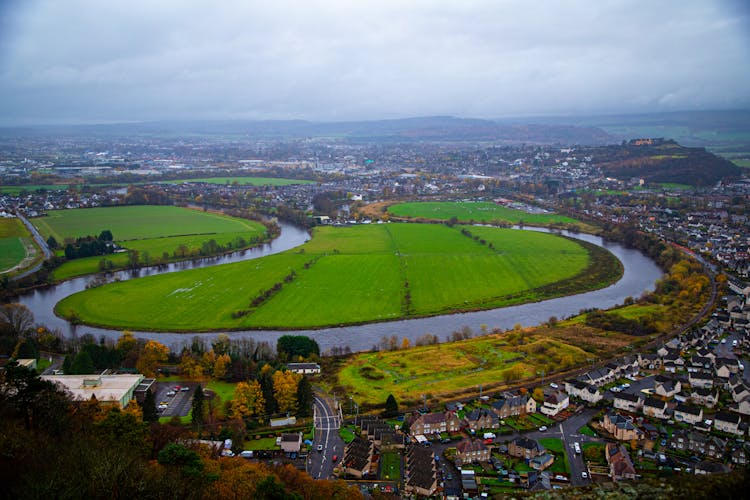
{"type": "Point", "coordinates": [14, 190]}
{"type": "Point", "coordinates": [245, 181]}
{"type": "Point", "coordinates": [489, 360]}
{"type": "Point", "coordinates": [12, 236]}
{"type": "Point", "coordinates": [345, 275]}
{"type": "Point", "coordinates": [476, 211]}
{"type": "Point", "coordinates": [390, 466]}
{"type": "Point", "coordinates": [152, 230]}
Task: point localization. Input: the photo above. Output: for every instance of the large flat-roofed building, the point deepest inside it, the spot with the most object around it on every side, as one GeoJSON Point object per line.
{"type": "Point", "coordinates": [107, 389]}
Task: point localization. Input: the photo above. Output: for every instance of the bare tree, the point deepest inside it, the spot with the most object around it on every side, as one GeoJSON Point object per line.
{"type": "Point", "coordinates": [16, 320]}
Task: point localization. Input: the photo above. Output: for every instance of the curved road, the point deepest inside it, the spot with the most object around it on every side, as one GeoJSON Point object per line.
{"type": "Point", "coordinates": [320, 464]}
{"type": "Point", "coordinates": [40, 242]}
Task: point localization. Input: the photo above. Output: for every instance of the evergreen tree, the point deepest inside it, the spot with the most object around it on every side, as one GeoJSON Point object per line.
{"type": "Point", "coordinates": [198, 404]}
{"type": "Point", "coordinates": [82, 364]}
{"type": "Point", "coordinates": [149, 407]}
{"type": "Point", "coordinates": [304, 398]}
{"type": "Point", "coordinates": [391, 407]}
{"type": "Point", "coordinates": [67, 364]}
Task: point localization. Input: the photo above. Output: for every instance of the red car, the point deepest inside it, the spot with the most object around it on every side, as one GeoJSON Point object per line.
{"type": "Point", "coordinates": [335, 457]}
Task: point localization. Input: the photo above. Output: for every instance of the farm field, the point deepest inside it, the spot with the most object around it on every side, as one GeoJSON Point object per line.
{"type": "Point", "coordinates": [151, 230]}
{"type": "Point", "coordinates": [350, 275]}
{"type": "Point", "coordinates": [245, 181]}
{"type": "Point", "coordinates": [478, 211]}
{"type": "Point", "coordinates": [12, 236]}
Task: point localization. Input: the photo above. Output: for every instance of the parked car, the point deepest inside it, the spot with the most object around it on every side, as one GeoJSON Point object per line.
{"type": "Point", "coordinates": [543, 428]}
{"type": "Point", "coordinates": [335, 458]}
{"type": "Point", "coordinates": [319, 448]}
{"type": "Point", "coordinates": [554, 385]}
{"type": "Point", "coordinates": [171, 393]}
{"type": "Point", "coordinates": [584, 475]}
{"type": "Point", "coordinates": [184, 389]}
{"type": "Point", "coordinates": [577, 447]}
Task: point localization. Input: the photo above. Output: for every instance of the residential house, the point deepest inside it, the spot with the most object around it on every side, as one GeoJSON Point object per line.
{"type": "Point", "coordinates": [710, 467]}
{"type": "Point", "coordinates": [656, 408]}
{"type": "Point", "coordinates": [581, 390]}
{"type": "Point", "coordinates": [523, 447]}
{"type": "Point", "coordinates": [699, 443]}
{"type": "Point", "coordinates": [651, 361]}
{"type": "Point", "coordinates": [620, 465]}
{"type": "Point", "coordinates": [705, 397]}
{"type": "Point", "coordinates": [688, 414]}
{"type": "Point", "coordinates": [482, 418]}
{"type": "Point", "coordinates": [542, 461]}
{"type": "Point", "coordinates": [740, 454]}
{"type": "Point", "coordinates": [739, 391]}
{"type": "Point", "coordinates": [358, 457]}
{"type": "Point", "coordinates": [291, 442]}
{"type": "Point", "coordinates": [420, 472]}
{"type": "Point", "coordinates": [701, 379]}
{"type": "Point", "coordinates": [598, 377]}
{"type": "Point", "coordinates": [434, 423]}
{"type": "Point", "coordinates": [621, 427]}
{"type": "Point", "coordinates": [743, 407]}
{"type": "Point", "coordinates": [666, 387]}
{"type": "Point", "coordinates": [726, 367]}
{"type": "Point", "coordinates": [728, 422]}
{"type": "Point", "coordinates": [555, 403]}
{"type": "Point", "coordinates": [628, 402]}
{"type": "Point", "coordinates": [514, 406]}
{"type": "Point", "coordinates": [472, 450]}
{"type": "Point", "coordinates": [699, 363]}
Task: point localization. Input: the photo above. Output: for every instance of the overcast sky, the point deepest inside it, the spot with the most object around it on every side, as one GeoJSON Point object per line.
{"type": "Point", "coordinates": [73, 61]}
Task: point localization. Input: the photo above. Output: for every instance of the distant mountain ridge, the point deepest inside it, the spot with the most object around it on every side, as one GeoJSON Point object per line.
{"type": "Point", "coordinates": [434, 128]}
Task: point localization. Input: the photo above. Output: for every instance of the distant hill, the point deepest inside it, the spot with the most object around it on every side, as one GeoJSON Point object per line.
{"type": "Point", "coordinates": [436, 128]}
{"type": "Point", "coordinates": [664, 161]}
{"type": "Point", "coordinates": [720, 131]}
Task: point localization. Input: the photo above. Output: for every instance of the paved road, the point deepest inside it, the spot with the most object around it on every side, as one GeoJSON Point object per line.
{"type": "Point", "coordinates": [42, 244]}
{"type": "Point", "coordinates": [320, 463]}
{"type": "Point", "coordinates": [567, 431]}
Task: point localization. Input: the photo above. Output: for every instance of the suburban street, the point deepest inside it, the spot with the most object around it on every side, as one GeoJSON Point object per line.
{"type": "Point", "coordinates": [320, 464]}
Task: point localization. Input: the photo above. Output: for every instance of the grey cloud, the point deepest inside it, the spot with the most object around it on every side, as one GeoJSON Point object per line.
{"type": "Point", "coordinates": [87, 60]}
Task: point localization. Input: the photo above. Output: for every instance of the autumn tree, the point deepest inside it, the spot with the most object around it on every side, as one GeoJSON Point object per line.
{"type": "Point", "coordinates": [152, 355]}
{"type": "Point", "coordinates": [285, 390]}
{"type": "Point", "coordinates": [221, 364]}
{"type": "Point", "coordinates": [190, 367]}
{"type": "Point", "coordinates": [248, 400]}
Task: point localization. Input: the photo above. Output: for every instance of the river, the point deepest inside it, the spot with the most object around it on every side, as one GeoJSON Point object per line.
{"type": "Point", "coordinates": [640, 275]}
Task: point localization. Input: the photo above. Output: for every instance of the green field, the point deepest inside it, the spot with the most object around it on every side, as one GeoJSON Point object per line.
{"type": "Point", "coordinates": [476, 211]}
{"type": "Point", "coordinates": [30, 188]}
{"type": "Point", "coordinates": [351, 275]}
{"type": "Point", "coordinates": [152, 230]}
{"type": "Point", "coordinates": [245, 181]}
{"type": "Point", "coordinates": [13, 234]}
{"type": "Point", "coordinates": [371, 377]}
